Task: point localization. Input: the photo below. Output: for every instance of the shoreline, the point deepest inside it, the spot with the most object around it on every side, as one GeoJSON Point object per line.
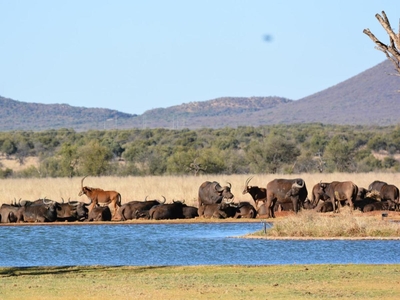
{"type": "Point", "coordinates": [306, 238]}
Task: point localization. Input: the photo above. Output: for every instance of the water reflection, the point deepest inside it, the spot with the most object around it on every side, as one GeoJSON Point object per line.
{"type": "Point", "coordinates": [176, 244]}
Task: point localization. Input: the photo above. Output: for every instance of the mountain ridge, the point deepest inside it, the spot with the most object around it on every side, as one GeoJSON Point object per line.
{"type": "Point", "coordinates": [368, 98]}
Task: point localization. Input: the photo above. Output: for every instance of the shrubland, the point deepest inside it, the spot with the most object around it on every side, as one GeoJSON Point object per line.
{"type": "Point", "coordinates": [276, 149]}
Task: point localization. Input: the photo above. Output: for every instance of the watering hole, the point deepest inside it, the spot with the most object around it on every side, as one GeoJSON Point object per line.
{"type": "Point", "coordinates": [178, 244]}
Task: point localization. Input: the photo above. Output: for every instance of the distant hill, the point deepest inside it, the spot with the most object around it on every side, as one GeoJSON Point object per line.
{"type": "Point", "coordinates": [16, 115]}
{"type": "Point", "coordinates": [369, 98]}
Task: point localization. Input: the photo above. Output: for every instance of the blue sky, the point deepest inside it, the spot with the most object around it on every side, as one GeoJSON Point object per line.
{"type": "Point", "coordinates": [133, 56]}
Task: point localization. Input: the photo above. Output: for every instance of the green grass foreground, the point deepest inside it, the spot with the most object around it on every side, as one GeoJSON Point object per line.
{"type": "Point", "coordinates": [203, 282]}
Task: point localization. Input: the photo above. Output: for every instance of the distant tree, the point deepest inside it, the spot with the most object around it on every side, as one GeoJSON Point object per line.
{"type": "Point", "coordinates": [8, 147]}
{"type": "Point", "coordinates": [270, 155]}
{"type": "Point", "coordinates": [340, 153]}
{"type": "Point", "coordinates": [214, 159]}
{"type": "Point", "coordinates": [94, 159]}
{"type": "Point", "coordinates": [69, 159]}
{"type": "Point", "coordinates": [23, 150]}
{"type": "Point", "coordinates": [392, 50]}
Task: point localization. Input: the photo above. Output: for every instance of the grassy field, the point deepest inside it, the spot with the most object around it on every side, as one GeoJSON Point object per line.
{"type": "Point", "coordinates": [172, 187]}
{"type": "Point", "coordinates": [203, 282]}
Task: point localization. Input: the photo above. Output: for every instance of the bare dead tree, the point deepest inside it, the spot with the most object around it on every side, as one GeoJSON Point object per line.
{"type": "Point", "coordinates": [196, 167]}
{"type": "Point", "coordinates": [320, 162]}
{"type": "Point", "coordinates": [392, 51]}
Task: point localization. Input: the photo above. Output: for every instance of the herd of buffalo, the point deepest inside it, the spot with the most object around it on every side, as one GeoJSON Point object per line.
{"type": "Point", "coordinates": [214, 201]}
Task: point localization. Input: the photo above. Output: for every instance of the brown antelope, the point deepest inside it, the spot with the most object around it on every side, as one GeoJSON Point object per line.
{"type": "Point", "coordinates": [99, 196]}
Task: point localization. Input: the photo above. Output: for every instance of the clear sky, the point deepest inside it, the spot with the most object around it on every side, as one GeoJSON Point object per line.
{"type": "Point", "coordinates": [133, 56]}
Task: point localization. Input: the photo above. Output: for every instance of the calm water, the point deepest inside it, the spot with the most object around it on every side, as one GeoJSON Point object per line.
{"type": "Point", "coordinates": [176, 244]}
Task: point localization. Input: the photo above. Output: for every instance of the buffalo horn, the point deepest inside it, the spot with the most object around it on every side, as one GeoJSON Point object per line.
{"type": "Point", "coordinates": [47, 202]}
{"type": "Point", "coordinates": [165, 199]}
{"type": "Point", "coordinates": [218, 187]}
{"type": "Point", "coordinates": [296, 185]}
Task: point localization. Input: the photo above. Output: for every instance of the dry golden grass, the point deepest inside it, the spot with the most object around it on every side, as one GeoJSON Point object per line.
{"type": "Point", "coordinates": [13, 163]}
{"type": "Point", "coordinates": [172, 187]}
{"type": "Point", "coordinates": [347, 223]}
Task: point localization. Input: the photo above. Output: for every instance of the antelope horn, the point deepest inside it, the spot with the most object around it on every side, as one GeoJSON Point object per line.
{"type": "Point", "coordinates": [83, 180]}
{"type": "Point", "coordinates": [248, 180]}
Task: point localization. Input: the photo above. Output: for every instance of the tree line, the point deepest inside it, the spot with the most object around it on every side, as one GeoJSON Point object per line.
{"type": "Point", "coordinates": [265, 149]}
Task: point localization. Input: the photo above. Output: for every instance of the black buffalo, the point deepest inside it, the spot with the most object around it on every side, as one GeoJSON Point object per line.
{"type": "Point", "coordinates": [32, 202]}
{"type": "Point", "coordinates": [99, 213]}
{"type": "Point", "coordinates": [340, 191]}
{"type": "Point", "coordinates": [137, 209]}
{"type": "Point", "coordinates": [318, 194]}
{"type": "Point", "coordinates": [213, 192]}
{"type": "Point", "coordinates": [285, 190]}
{"type": "Point", "coordinates": [362, 192]}
{"type": "Point", "coordinates": [167, 211]}
{"type": "Point", "coordinates": [72, 211]}
{"type": "Point", "coordinates": [308, 204]}
{"type": "Point", "coordinates": [379, 205]}
{"type": "Point", "coordinates": [389, 192]}
{"type": "Point", "coordinates": [262, 210]}
{"type": "Point", "coordinates": [8, 213]}
{"type": "Point", "coordinates": [245, 210]}
{"type": "Point", "coordinates": [376, 185]}
{"type": "Point", "coordinates": [324, 206]}
{"type": "Point", "coordinates": [43, 212]}
{"type": "Point", "coordinates": [221, 210]}
{"type": "Point", "coordinates": [189, 212]}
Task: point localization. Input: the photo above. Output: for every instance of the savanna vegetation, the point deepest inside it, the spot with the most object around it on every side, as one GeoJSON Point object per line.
{"type": "Point", "coordinates": [285, 149]}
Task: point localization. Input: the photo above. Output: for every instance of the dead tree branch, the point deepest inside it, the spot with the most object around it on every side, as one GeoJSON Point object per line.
{"type": "Point", "coordinates": [196, 167]}
{"type": "Point", "coordinates": [392, 50]}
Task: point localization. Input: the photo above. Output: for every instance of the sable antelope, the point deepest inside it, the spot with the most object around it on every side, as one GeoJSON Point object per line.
{"type": "Point", "coordinates": [257, 193]}
{"type": "Point", "coordinates": [99, 196]}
